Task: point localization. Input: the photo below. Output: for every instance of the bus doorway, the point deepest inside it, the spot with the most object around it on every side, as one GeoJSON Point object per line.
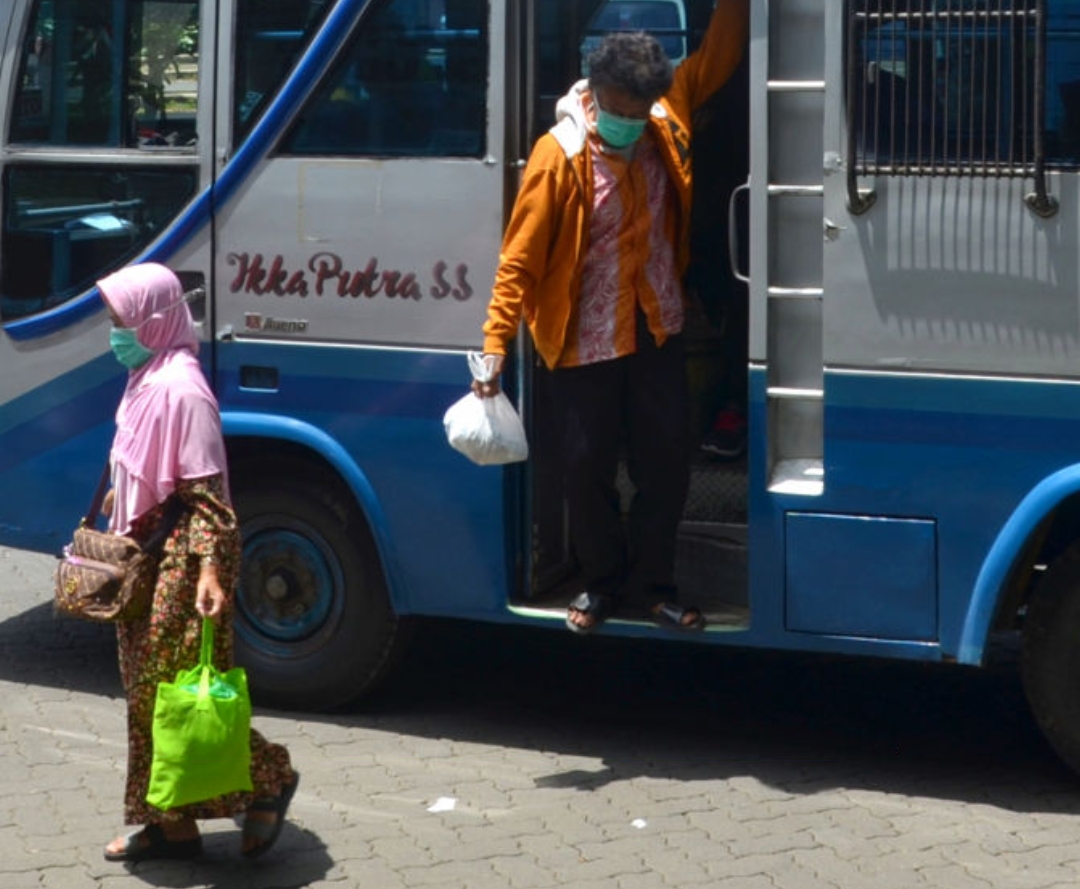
{"type": "Point", "coordinates": [711, 569]}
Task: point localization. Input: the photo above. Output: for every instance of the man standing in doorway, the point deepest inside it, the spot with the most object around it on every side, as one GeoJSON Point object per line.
{"type": "Point", "coordinates": [593, 258]}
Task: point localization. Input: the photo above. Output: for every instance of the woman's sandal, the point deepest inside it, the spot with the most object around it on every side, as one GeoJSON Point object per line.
{"type": "Point", "coordinates": [149, 843]}
{"type": "Point", "coordinates": [266, 833]}
{"type": "Point", "coordinates": [673, 616]}
{"type": "Point", "coordinates": [596, 606]}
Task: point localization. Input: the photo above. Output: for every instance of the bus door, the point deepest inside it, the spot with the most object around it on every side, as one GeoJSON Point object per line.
{"type": "Point", "coordinates": [360, 210]}
{"type": "Point", "coordinates": [107, 141]}
{"type": "Point", "coordinates": [711, 568]}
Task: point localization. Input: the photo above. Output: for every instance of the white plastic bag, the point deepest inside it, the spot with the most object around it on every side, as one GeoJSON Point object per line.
{"type": "Point", "coordinates": [486, 430]}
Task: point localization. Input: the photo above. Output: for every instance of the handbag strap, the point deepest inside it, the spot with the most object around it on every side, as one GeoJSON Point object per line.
{"type": "Point", "coordinates": [206, 653]}
{"type": "Point", "coordinates": [214, 685]}
{"type": "Point", "coordinates": [206, 666]}
{"type": "Point", "coordinates": [99, 497]}
{"type": "Point", "coordinates": [169, 518]}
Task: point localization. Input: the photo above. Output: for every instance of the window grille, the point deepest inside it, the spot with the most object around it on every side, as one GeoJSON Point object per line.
{"type": "Point", "coordinates": [946, 88]}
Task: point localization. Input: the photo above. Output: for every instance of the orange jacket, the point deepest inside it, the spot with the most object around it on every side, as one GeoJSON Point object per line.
{"type": "Point", "coordinates": [543, 250]}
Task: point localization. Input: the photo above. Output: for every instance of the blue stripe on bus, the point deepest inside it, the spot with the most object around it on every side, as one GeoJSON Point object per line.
{"type": "Point", "coordinates": [343, 382]}
{"type": "Point", "coordinates": [254, 148]}
{"type": "Point", "coordinates": [62, 409]}
{"type": "Point", "coordinates": [910, 393]}
{"type": "Point", "coordinates": [342, 397]}
{"type": "Point", "coordinates": [382, 408]}
{"type": "Point", "coordinates": [337, 384]}
{"type": "Point", "coordinates": [354, 360]}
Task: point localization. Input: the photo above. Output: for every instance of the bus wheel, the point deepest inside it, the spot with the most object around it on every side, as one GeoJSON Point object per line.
{"type": "Point", "coordinates": [314, 626]}
{"type": "Point", "coordinates": [1051, 656]}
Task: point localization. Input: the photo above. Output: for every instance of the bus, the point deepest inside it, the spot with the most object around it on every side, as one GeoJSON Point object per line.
{"type": "Point", "coordinates": [664, 19]}
{"type": "Point", "coordinates": [885, 282]}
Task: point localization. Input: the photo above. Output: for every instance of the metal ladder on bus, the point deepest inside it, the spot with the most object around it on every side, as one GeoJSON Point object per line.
{"type": "Point", "coordinates": [794, 350]}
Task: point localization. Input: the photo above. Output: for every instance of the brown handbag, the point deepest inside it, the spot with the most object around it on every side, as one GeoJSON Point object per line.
{"type": "Point", "coordinates": [109, 577]}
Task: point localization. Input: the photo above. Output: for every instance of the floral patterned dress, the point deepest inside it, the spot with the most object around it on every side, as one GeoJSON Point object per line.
{"type": "Point", "coordinates": [154, 648]}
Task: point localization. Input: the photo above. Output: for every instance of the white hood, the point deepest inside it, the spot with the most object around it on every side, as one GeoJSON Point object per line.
{"type": "Point", "coordinates": [571, 127]}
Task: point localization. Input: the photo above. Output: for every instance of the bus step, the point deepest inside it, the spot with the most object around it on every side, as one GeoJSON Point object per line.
{"type": "Point", "coordinates": [710, 567]}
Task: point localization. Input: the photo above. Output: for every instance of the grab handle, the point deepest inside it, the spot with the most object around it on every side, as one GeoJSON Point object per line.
{"type": "Point", "coordinates": [733, 233]}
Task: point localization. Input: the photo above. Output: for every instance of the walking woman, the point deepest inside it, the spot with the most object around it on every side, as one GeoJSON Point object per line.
{"type": "Point", "coordinates": [169, 444]}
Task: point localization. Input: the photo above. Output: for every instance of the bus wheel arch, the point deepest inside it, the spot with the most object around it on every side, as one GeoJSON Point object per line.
{"type": "Point", "coordinates": [1050, 661]}
{"type": "Point", "coordinates": [314, 623]}
{"type": "Point", "coordinates": [1043, 525]}
{"type": "Point", "coordinates": [1044, 543]}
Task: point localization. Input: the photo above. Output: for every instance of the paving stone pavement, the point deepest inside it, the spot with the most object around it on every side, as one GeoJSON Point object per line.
{"type": "Point", "coordinates": [563, 762]}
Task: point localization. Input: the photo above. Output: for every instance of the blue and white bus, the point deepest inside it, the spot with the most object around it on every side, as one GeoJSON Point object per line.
{"type": "Point", "coordinates": [887, 233]}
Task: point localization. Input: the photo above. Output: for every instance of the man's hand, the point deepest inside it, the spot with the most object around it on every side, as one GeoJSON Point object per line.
{"type": "Point", "coordinates": [491, 388]}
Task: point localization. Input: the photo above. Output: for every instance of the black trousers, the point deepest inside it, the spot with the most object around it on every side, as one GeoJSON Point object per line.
{"type": "Point", "coordinates": [640, 401]}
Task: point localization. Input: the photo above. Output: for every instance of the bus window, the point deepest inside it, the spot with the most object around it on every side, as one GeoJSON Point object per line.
{"type": "Point", "coordinates": [568, 31]}
{"type": "Point", "coordinates": [559, 28]}
{"type": "Point", "coordinates": [120, 75]}
{"type": "Point", "coordinates": [63, 227]}
{"type": "Point", "coordinates": [953, 90]}
{"type": "Point", "coordinates": [1063, 84]}
{"type": "Point", "coordinates": [413, 84]}
{"type": "Point", "coordinates": [79, 85]}
{"type": "Point", "coordinates": [270, 36]}
{"type": "Point", "coordinates": [664, 19]}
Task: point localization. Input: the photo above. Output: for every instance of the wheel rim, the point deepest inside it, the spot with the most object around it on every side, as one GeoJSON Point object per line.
{"type": "Point", "coordinates": [291, 588]}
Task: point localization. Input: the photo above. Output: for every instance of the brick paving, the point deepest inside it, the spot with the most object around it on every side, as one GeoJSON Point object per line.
{"type": "Point", "coordinates": [593, 764]}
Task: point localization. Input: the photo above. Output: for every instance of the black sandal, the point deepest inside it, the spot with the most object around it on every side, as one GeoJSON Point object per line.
{"type": "Point", "coordinates": [267, 832]}
{"type": "Point", "coordinates": [672, 616]}
{"type": "Point", "coordinates": [156, 847]}
{"type": "Point", "coordinates": [597, 606]}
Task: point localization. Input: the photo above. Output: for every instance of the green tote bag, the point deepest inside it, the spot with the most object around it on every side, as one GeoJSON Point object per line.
{"type": "Point", "coordinates": [201, 734]}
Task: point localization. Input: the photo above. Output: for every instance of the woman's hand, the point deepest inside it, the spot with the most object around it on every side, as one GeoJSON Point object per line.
{"type": "Point", "coordinates": [107, 504]}
{"type": "Point", "coordinates": [209, 596]}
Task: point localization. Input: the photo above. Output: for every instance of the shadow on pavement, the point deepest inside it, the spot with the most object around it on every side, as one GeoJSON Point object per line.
{"type": "Point", "coordinates": [799, 723]}
{"type": "Point", "coordinates": [303, 861]}
{"type": "Point", "coordinates": [38, 648]}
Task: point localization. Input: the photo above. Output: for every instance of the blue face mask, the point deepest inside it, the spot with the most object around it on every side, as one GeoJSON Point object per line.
{"type": "Point", "coordinates": [618, 132]}
{"type": "Point", "coordinates": [127, 348]}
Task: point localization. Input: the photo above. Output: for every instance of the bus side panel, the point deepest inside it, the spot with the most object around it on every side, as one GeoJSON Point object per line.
{"type": "Point", "coordinates": [443, 542]}
{"type": "Point", "coordinates": [949, 275]}
{"type": "Point", "coordinates": [866, 575]}
{"type": "Point", "coordinates": [54, 441]}
{"type": "Point", "coordinates": [950, 327]}
{"type": "Point", "coordinates": [376, 251]}
{"type": "Point", "coordinates": [963, 451]}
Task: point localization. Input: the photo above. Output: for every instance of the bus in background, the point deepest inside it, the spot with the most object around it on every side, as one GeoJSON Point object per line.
{"type": "Point", "coordinates": [887, 198]}
{"type": "Point", "coordinates": [664, 19]}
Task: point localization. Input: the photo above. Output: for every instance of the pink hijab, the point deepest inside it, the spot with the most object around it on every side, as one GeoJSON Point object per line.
{"type": "Point", "coordinates": [167, 425]}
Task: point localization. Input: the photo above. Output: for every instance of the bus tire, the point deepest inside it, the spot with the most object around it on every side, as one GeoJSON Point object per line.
{"type": "Point", "coordinates": [1050, 664]}
{"type": "Point", "coordinates": [314, 627]}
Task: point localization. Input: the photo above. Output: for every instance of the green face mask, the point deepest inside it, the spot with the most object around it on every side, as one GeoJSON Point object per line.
{"type": "Point", "coordinates": [127, 348]}
{"type": "Point", "coordinates": [618, 132]}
